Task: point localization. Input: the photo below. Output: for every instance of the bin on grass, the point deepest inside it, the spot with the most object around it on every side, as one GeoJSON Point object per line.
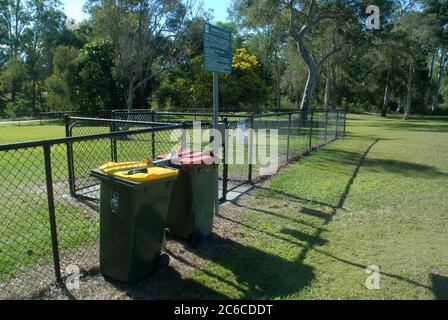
{"type": "Point", "coordinates": [192, 205]}
{"type": "Point", "coordinates": [134, 207]}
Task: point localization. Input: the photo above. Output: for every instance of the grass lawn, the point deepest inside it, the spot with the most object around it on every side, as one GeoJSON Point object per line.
{"type": "Point", "coordinates": [378, 197]}
{"type": "Point", "coordinates": [14, 133]}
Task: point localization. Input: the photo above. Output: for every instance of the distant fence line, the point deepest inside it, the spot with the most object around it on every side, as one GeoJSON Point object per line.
{"type": "Point", "coordinates": [42, 118]}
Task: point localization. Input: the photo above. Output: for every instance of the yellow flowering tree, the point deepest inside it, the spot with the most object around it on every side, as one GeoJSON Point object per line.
{"type": "Point", "coordinates": [190, 86]}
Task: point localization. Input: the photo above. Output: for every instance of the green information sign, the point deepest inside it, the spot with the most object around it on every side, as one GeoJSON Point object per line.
{"type": "Point", "coordinates": [217, 49]}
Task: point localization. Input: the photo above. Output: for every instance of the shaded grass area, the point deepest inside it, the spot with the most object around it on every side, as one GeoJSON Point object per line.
{"type": "Point", "coordinates": [378, 197]}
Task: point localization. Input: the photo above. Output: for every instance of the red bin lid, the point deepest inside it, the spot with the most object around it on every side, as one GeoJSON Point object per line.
{"type": "Point", "coordinates": [192, 158]}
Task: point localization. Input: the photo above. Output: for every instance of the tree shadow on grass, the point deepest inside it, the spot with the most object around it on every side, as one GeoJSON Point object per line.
{"type": "Point", "coordinates": [317, 214]}
{"type": "Point", "coordinates": [278, 215]}
{"type": "Point", "coordinates": [308, 243]}
{"type": "Point", "coordinates": [166, 285]}
{"type": "Point", "coordinates": [258, 274]}
{"type": "Point", "coordinates": [403, 168]}
{"type": "Point", "coordinates": [412, 125]}
{"type": "Point", "coordinates": [439, 286]}
{"type": "Point", "coordinates": [312, 241]}
{"type": "Point", "coordinates": [407, 169]}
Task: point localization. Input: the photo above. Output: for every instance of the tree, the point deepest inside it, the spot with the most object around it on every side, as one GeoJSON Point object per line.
{"type": "Point", "coordinates": [11, 79]}
{"type": "Point", "coordinates": [267, 41]}
{"type": "Point", "coordinates": [414, 29]}
{"type": "Point", "coordinates": [29, 31]}
{"type": "Point", "coordinates": [16, 17]}
{"type": "Point", "coordinates": [149, 36]}
{"type": "Point", "coordinates": [438, 11]}
{"type": "Point", "coordinates": [96, 86]}
{"type": "Point", "coordinates": [190, 85]}
{"type": "Point", "coordinates": [298, 19]}
{"type": "Point", "coordinates": [60, 84]}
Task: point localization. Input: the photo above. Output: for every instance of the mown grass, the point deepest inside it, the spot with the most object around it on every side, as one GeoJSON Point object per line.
{"type": "Point", "coordinates": [378, 197]}
{"type": "Point", "coordinates": [15, 134]}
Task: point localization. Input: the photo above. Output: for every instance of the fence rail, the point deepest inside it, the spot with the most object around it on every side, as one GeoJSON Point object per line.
{"type": "Point", "coordinates": [49, 203]}
{"type": "Point", "coordinates": [41, 118]}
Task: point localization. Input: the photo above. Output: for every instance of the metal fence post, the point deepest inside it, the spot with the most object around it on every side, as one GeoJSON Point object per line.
{"type": "Point", "coordinates": [70, 162]}
{"type": "Point", "coordinates": [153, 137]}
{"type": "Point", "coordinates": [311, 131]}
{"type": "Point", "coordinates": [52, 213]}
{"type": "Point", "coordinates": [345, 122]}
{"type": "Point", "coordinates": [300, 123]}
{"type": "Point", "coordinates": [251, 145]}
{"type": "Point", "coordinates": [289, 137]}
{"type": "Point", "coordinates": [326, 126]}
{"type": "Point", "coordinates": [337, 125]}
{"type": "Point", "coordinates": [113, 141]}
{"type": "Point", "coordinates": [225, 172]}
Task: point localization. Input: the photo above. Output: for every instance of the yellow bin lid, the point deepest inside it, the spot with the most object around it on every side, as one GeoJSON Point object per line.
{"type": "Point", "coordinates": [144, 171]}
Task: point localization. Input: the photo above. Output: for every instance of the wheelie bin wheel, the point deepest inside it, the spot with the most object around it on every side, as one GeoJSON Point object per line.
{"type": "Point", "coordinates": [196, 239]}
{"type": "Point", "coordinates": [162, 262]}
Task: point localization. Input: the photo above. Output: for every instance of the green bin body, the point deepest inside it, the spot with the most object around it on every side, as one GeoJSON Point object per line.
{"type": "Point", "coordinates": [192, 205]}
{"type": "Point", "coordinates": [132, 226]}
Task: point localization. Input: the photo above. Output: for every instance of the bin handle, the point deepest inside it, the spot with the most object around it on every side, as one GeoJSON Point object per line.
{"type": "Point", "coordinates": [137, 170]}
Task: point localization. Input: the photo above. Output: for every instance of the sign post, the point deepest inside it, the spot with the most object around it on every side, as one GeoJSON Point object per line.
{"type": "Point", "coordinates": [217, 59]}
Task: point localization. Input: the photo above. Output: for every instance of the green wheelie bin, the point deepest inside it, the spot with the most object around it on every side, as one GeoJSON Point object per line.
{"type": "Point", "coordinates": [192, 206]}
{"type": "Point", "coordinates": [134, 206]}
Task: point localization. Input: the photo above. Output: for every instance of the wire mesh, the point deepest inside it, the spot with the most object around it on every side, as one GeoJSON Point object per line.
{"type": "Point", "coordinates": [25, 243]}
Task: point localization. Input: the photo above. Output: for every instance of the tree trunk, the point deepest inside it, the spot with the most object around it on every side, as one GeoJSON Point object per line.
{"type": "Point", "coordinates": [41, 98]}
{"type": "Point", "coordinates": [428, 83]}
{"type": "Point", "coordinates": [312, 75]}
{"type": "Point", "coordinates": [33, 99]}
{"type": "Point", "coordinates": [13, 90]}
{"type": "Point", "coordinates": [439, 81]}
{"type": "Point", "coordinates": [407, 112]}
{"type": "Point", "coordinates": [130, 97]}
{"type": "Point", "coordinates": [386, 97]}
{"type": "Point", "coordinates": [328, 88]}
{"type": "Point", "coordinates": [333, 86]}
{"type": "Point", "coordinates": [308, 93]}
{"type": "Point", "coordinates": [277, 84]}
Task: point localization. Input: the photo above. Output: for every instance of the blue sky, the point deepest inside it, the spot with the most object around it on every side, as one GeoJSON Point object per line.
{"type": "Point", "coordinates": [73, 8]}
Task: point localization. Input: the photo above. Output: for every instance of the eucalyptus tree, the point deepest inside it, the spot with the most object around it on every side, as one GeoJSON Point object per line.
{"type": "Point", "coordinates": [16, 17]}
{"type": "Point", "coordinates": [333, 23]}
{"type": "Point", "coordinates": [266, 35]}
{"type": "Point", "coordinates": [28, 32]}
{"type": "Point", "coordinates": [150, 36]}
{"type": "Point", "coordinates": [415, 31]}
{"type": "Point", "coordinates": [438, 10]}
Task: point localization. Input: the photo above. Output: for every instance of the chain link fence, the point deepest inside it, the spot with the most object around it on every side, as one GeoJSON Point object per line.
{"type": "Point", "coordinates": [49, 203]}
